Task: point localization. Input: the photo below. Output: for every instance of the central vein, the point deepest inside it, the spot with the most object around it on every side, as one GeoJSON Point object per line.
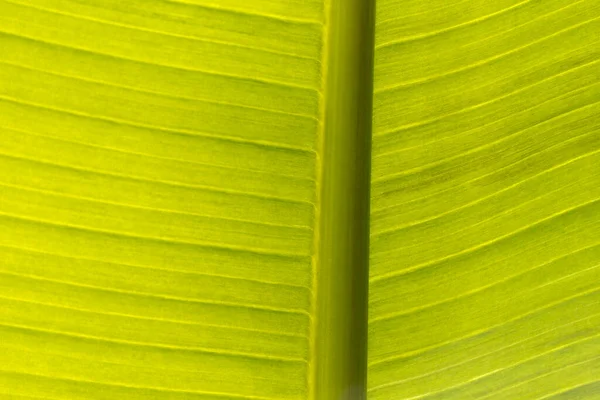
{"type": "Point", "coordinates": [339, 327]}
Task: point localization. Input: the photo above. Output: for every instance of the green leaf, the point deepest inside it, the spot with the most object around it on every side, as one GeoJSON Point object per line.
{"type": "Point", "coordinates": [185, 189]}
{"type": "Point", "coordinates": [157, 206]}
{"type": "Point", "coordinates": [485, 228]}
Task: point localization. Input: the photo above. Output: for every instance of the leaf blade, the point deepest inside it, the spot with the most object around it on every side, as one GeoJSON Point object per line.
{"type": "Point", "coordinates": [485, 220]}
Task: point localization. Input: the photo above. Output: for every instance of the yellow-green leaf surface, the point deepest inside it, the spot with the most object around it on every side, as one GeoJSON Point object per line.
{"type": "Point", "coordinates": [158, 169]}
{"type": "Point", "coordinates": [184, 198]}
{"type": "Point", "coordinates": [485, 220]}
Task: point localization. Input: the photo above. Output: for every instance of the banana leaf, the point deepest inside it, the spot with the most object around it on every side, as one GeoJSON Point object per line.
{"type": "Point", "coordinates": [299, 199]}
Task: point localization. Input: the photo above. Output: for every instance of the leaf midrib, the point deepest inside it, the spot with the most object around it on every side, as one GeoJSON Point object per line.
{"type": "Point", "coordinates": [338, 360]}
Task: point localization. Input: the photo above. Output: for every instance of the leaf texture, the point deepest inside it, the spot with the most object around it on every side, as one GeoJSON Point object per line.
{"type": "Point", "coordinates": [485, 221]}
{"type": "Point", "coordinates": [157, 197]}
{"type": "Point", "coordinates": [162, 165]}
